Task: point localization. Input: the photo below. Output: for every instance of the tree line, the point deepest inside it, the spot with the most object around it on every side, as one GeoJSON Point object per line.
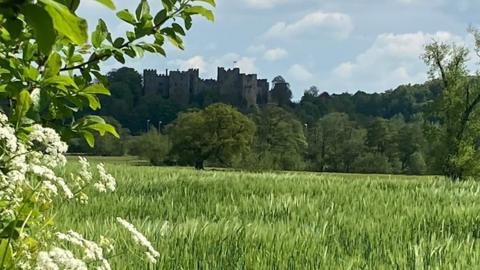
{"type": "Point", "coordinates": [428, 128]}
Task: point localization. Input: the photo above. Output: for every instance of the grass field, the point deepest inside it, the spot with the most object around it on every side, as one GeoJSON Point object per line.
{"type": "Point", "coordinates": [233, 220]}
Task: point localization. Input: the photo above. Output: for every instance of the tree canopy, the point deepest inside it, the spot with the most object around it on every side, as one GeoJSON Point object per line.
{"type": "Point", "coordinates": [217, 133]}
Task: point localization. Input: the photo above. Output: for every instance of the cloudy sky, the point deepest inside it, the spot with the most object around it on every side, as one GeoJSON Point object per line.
{"type": "Point", "coordinates": [336, 45]}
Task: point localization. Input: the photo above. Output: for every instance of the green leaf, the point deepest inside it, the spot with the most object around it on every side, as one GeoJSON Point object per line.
{"type": "Point", "coordinates": [143, 11]}
{"type": "Point", "coordinates": [107, 3]}
{"type": "Point", "coordinates": [118, 42]}
{"type": "Point", "coordinates": [208, 14]}
{"type": "Point", "coordinates": [119, 57]}
{"type": "Point", "coordinates": [100, 34]}
{"type": "Point", "coordinates": [168, 4]}
{"type": "Point", "coordinates": [188, 21]}
{"type": "Point", "coordinates": [97, 89]}
{"type": "Point", "coordinates": [24, 101]}
{"type": "Point", "coordinates": [104, 128]}
{"type": "Point", "coordinates": [61, 81]}
{"type": "Point", "coordinates": [42, 25]}
{"type": "Point", "coordinates": [53, 65]}
{"type": "Point", "coordinates": [138, 51]}
{"type": "Point", "coordinates": [89, 138]}
{"type": "Point", "coordinates": [126, 16]}
{"type": "Point", "coordinates": [160, 17]}
{"type": "Point", "coordinates": [93, 101]}
{"type": "Point", "coordinates": [177, 28]}
{"type": "Point", "coordinates": [14, 26]}
{"type": "Point", "coordinates": [95, 123]}
{"type": "Point", "coordinates": [67, 23]}
{"type": "Point", "coordinates": [71, 4]}
{"type": "Point", "coordinates": [6, 252]}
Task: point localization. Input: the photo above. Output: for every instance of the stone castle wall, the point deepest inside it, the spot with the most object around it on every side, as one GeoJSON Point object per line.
{"type": "Point", "coordinates": [182, 87]}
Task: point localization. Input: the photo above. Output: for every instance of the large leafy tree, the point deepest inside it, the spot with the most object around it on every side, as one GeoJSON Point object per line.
{"type": "Point", "coordinates": [458, 107]}
{"type": "Point", "coordinates": [50, 64]}
{"type": "Point", "coordinates": [279, 139]}
{"type": "Point", "coordinates": [219, 133]}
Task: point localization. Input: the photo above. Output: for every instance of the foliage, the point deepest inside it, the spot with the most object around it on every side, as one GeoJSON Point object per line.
{"type": "Point", "coordinates": [49, 72]}
{"type": "Point", "coordinates": [152, 146]}
{"type": "Point", "coordinates": [239, 220]}
{"type": "Point", "coordinates": [43, 45]}
{"type": "Point", "coordinates": [219, 133]}
{"type": "Point", "coordinates": [335, 143]}
{"type": "Point", "coordinates": [279, 141]}
{"type": "Point", "coordinates": [457, 112]}
{"type": "Point", "coordinates": [106, 145]}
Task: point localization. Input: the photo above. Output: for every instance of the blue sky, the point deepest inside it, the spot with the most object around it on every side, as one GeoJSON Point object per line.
{"type": "Point", "coordinates": [336, 45]}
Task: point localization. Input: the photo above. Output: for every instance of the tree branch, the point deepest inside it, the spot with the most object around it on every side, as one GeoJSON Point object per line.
{"type": "Point", "coordinates": [94, 58]}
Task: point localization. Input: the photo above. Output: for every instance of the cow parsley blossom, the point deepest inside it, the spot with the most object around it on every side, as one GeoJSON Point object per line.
{"type": "Point", "coordinates": [29, 184]}
{"type": "Point", "coordinates": [139, 238]}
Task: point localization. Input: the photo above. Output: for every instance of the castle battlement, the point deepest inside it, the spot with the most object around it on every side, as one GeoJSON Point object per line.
{"type": "Point", "coordinates": [183, 87]}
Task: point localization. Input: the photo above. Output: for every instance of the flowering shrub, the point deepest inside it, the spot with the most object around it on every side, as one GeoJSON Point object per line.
{"type": "Point", "coordinates": [29, 189]}
{"type": "Point", "coordinates": [49, 71]}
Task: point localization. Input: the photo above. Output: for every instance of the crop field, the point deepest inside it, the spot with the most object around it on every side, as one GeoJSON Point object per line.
{"type": "Point", "coordinates": [237, 220]}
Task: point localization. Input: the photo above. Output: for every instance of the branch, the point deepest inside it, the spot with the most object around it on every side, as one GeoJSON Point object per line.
{"type": "Point", "coordinates": [94, 58]}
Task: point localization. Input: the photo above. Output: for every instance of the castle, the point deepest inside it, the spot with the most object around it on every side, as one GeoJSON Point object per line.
{"type": "Point", "coordinates": [186, 87]}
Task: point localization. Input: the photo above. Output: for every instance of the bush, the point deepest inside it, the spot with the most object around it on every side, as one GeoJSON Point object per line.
{"type": "Point", "coordinates": [152, 146]}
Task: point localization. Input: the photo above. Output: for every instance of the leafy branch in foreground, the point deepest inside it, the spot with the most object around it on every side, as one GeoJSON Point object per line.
{"type": "Point", "coordinates": [49, 71]}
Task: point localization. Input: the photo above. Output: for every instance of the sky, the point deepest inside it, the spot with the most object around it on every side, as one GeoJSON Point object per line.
{"type": "Point", "coordinates": [337, 45]}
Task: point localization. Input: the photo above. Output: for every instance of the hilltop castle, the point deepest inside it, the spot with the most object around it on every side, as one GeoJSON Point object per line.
{"type": "Point", "coordinates": [186, 87]}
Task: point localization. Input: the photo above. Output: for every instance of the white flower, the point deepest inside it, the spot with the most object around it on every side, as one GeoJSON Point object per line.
{"type": "Point", "coordinates": [57, 259]}
{"type": "Point", "coordinates": [92, 251]}
{"type": "Point", "coordinates": [106, 182]}
{"type": "Point", "coordinates": [151, 253]}
{"type": "Point", "coordinates": [85, 174]}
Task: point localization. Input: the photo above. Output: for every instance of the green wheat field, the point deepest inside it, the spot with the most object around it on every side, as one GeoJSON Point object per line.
{"type": "Point", "coordinates": [240, 220]}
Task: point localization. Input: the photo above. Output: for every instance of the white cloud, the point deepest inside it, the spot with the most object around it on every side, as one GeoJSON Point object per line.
{"type": "Point", "coordinates": [300, 73]}
{"type": "Point", "coordinates": [208, 66]}
{"type": "Point", "coordinates": [338, 24]}
{"type": "Point", "coordinates": [275, 54]}
{"type": "Point", "coordinates": [247, 65]}
{"type": "Point", "coordinates": [393, 59]}
{"type": "Point", "coordinates": [197, 62]}
{"type": "Point", "coordinates": [254, 49]}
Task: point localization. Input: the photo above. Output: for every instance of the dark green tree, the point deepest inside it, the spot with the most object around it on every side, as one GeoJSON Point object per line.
{"type": "Point", "coordinates": [335, 143]}
{"type": "Point", "coordinates": [218, 133]}
{"type": "Point", "coordinates": [279, 141]}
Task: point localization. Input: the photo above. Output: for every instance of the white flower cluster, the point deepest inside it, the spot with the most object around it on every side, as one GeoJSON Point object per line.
{"type": "Point", "coordinates": [29, 161]}
{"type": "Point", "coordinates": [139, 238]}
{"type": "Point", "coordinates": [91, 250]}
{"type": "Point", "coordinates": [57, 259]}
{"type": "Point", "coordinates": [106, 182]}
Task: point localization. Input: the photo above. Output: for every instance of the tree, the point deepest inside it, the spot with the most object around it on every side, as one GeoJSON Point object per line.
{"type": "Point", "coordinates": [279, 140]}
{"type": "Point", "coordinates": [416, 164]}
{"type": "Point", "coordinates": [335, 143]}
{"type": "Point", "coordinates": [218, 133]}
{"type": "Point", "coordinates": [457, 112]}
{"type": "Point", "coordinates": [152, 146]}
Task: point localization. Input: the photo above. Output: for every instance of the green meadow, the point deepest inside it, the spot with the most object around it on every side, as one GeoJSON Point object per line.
{"type": "Point", "coordinates": [239, 220]}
